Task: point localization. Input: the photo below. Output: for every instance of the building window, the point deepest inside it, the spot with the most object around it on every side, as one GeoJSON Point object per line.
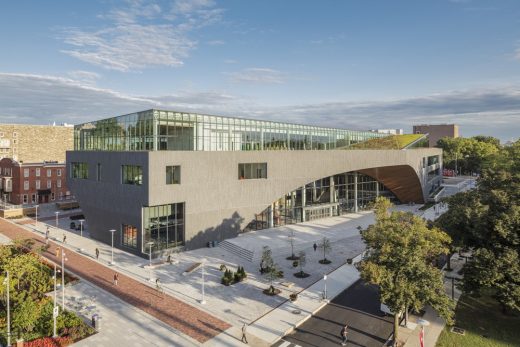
{"type": "Point", "coordinates": [38, 184]}
{"type": "Point", "coordinates": [79, 170]}
{"type": "Point", "coordinates": [25, 185]}
{"type": "Point", "coordinates": [25, 199]}
{"type": "Point", "coordinates": [173, 175]}
{"type": "Point", "coordinates": [252, 171]}
{"type": "Point", "coordinates": [52, 196]}
{"type": "Point", "coordinates": [33, 198]}
{"type": "Point", "coordinates": [58, 183]}
{"type": "Point", "coordinates": [15, 134]}
{"type": "Point", "coordinates": [132, 174]}
{"type": "Point", "coordinates": [164, 226]}
{"type": "Point", "coordinates": [49, 184]}
{"type": "Point", "coordinates": [98, 171]}
{"type": "Point", "coordinates": [49, 172]}
{"type": "Point", "coordinates": [129, 238]}
{"type": "Point", "coordinates": [58, 172]}
{"type": "Point", "coordinates": [38, 172]}
{"type": "Point", "coordinates": [25, 172]}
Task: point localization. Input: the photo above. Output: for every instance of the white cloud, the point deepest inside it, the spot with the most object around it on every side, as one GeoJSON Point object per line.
{"type": "Point", "coordinates": [37, 99]}
{"type": "Point", "coordinates": [258, 75]}
{"type": "Point", "coordinates": [87, 77]}
{"type": "Point", "coordinates": [216, 43]}
{"type": "Point", "coordinates": [141, 35]}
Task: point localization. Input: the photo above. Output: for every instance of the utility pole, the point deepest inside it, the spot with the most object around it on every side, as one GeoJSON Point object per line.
{"type": "Point", "coordinates": [6, 281]}
{"type": "Point", "coordinates": [55, 308]}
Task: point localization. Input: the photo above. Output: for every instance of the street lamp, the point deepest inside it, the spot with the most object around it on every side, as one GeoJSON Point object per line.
{"type": "Point", "coordinates": [55, 308]}
{"type": "Point", "coordinates": [112, 260]}
{"type": "Point", "coordinates": [423, 323]}
{"type": "Point", "coordinates": [150, 245]}
{"type": "Point", "coordinates": [63, 259]}
{"type": "Point", "coordinates": [57, 213]}
{"type": "Point", "coordinates": [36, 216]}
{"type": "Point", "coordinates": [203, 301]}
{"type": "Point", "coordinates": [6, 282]}
{"type": "Point", "coordinates": [325, 287]}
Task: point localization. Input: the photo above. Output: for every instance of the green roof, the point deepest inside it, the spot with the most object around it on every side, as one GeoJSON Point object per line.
{"type": "Point", "coordinates": [389, 142]}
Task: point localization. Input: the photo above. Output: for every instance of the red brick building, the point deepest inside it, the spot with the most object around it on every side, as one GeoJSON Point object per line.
{"type": "Point", "coordinates": [32, 183]}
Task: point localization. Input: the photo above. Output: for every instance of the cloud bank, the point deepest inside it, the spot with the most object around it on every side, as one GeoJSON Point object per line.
{"type": "Point", "coordinates": [40, 99]}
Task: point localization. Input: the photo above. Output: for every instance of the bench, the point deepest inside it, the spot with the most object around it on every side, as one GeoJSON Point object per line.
{"type": "Point", "coordinates": [192, 268]}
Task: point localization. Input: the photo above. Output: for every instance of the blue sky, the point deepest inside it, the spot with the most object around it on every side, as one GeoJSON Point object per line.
{"type": "Point", "coordinates": [353, 64]}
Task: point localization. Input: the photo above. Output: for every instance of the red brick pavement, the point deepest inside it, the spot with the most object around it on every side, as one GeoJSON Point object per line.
{"type": "Point", "coordinates": [191, 321]}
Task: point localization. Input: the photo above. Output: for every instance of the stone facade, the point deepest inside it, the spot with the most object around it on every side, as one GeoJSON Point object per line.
{"type": "Point", "coordinates": [35, 143]}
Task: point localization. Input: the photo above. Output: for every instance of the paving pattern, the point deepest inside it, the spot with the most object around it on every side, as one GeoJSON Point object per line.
{"type": "Point", "coordinates": [191, 321]}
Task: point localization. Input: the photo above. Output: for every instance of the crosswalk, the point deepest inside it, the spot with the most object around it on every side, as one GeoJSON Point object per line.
{"type": "Point", "coordinates": [283, 343]}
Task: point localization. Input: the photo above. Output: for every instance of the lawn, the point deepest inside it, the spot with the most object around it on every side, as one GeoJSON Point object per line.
{"type": "Point", "coordinates": [387, 142]}
{"type": "Point", "coordinates": [484, 323]}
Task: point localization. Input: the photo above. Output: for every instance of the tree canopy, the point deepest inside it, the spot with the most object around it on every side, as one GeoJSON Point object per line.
{"type": "Point", "coordinates": [468, 154]}
{"type": "Point", "coordinates": [401, 252]}
{"type": "Point", "coordinates": [487, 220]}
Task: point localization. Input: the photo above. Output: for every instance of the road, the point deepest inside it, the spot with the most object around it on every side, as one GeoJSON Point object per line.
{"type": "Point", "coordinates": [358, 306]}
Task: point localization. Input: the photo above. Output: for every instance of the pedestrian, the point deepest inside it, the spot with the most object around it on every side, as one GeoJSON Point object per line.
{"type": "Point", "coordinates": [315, 246]}
{"type": "Point", "coordinates": [64, 238]}
{"type": "Point", "coordinates": [116, 278]}
{"type": "Point", "coordinates": [244, 331]}
{"type": "Point", "coordinates": [57, 252]}
{"type": "Point", "coordinates": [169, 259]}
{"type": "Point", "coordinates": [97, 253]}
{"type": "Point", "coordinates": [344, 333]}
{"type": "Point", "coordinates": [47, 236]}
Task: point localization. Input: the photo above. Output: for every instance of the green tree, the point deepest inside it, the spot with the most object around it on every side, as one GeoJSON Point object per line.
{"type": "Point", "coordinates": [25, 316]}
{"type": "Point", "coordinates": [490, 226]}
{"type": "Point", "coordinates": [400, 252]}
{"type": "Point", "coordinates": [468, 154]}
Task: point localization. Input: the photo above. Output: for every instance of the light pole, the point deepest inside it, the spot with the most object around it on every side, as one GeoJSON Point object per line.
{"type": "Point", "coordinates": [57, 213]}
{"type": "Point", "coordinates": [81, 227]}
{"type": "Point", "coordinates": [36, 216]}
{"type": "Point", "coordinates": [55, 308]}
{"type": "Point", "coordinates": [63, 259]}
{"type": "Point", "coordinates": [203, 301]}
{"type": "Point", "coordinates": [150, 245]}
{"type": "Point", "coordinates": [6, 282]}
{"type": "Point", "coordinates": [112, 260]}
{"type": "Point", "coordinates": [423, 323]}
{"type": "Point", "coordinates": [325, 287]}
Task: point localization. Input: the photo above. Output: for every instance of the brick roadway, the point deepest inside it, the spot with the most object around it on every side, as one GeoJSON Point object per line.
{"type": "Point", "coordinates": [189, 320]}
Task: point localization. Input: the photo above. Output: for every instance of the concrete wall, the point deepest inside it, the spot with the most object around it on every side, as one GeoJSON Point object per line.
{"type": "Point", "coordinates": [107, 204]}
{"type": "Point", "coordinates": [217, 204]}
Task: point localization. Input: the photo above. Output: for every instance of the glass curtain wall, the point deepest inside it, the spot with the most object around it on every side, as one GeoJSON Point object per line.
{"type": "Point", "coordinates": [330, 196]}
{"type": "Point", "coordinates": [177, 131]}
{"type": "Point", "coordinates": [164, 226]}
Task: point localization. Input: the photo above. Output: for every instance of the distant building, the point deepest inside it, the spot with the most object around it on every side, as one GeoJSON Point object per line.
{"type": "Point", "coordinates": [437, 131]}
{"type": "Point", "coordinates": [35, 143]}
{"type": "Point", "coordinates": [388, 131]}
{"type": "Point", "coordinates": [32, 183]}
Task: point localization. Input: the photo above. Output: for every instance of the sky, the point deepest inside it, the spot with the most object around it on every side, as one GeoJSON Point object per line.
{"type": "Point", "coordinates": [356, 64]}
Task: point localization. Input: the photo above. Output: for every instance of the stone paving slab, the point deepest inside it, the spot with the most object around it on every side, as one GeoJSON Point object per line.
{"type": "Point", "coordinates": [195, 323]}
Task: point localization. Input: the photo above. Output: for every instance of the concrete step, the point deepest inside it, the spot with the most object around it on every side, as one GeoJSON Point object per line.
{"type": "Point", "coordinates": [243, 253]}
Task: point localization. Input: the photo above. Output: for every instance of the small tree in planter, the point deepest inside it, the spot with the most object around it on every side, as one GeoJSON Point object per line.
{"type": "Point", "coordinates": [291, 242]}
{"type": "Point", "coordinates": [271, 274]}
{"type": "Point", "coordinates": [228, 278]}
{"type": "Point", "coordinates": [326, 247]}
{"type": "Point", "coordinates": [301, 261]}
{"type": "Point", "coordinates": [293, 296]}
{"type": "Point", "coordinates": [266, 260]}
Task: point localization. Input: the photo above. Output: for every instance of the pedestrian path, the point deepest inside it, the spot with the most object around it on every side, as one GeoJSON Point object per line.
{"type": "Point", "coordinates": [189, 320]}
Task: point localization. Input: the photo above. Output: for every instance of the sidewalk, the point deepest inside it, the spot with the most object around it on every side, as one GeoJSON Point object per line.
{"type": "Point", "coordinates": [187, 319]}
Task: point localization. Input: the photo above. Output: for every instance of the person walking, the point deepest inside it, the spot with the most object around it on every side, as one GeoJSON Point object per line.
{"type": "Point", "coordinates": [47, 236]}
{"type": "Point", "coordinates": [116, 278]}
{"type": "Point", "coordinates": [64, 238]}
{"type": "Point", "coordinates": [344, 334]}
{"type": "Point", "coordinates": [57, 252]}
{"type": "Point", "coordinates": [244, 331]}
{"type": "Point", "coordinates": [97, 253]}
{"type": "Point", "coordinates": [315, 246]}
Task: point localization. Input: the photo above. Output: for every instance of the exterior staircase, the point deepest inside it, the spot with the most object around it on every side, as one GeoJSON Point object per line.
{"type": "Point", "coordinates": [243, 253]}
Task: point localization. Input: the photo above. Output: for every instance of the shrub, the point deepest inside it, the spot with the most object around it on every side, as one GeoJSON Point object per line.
{"type": "Point", "coordinates": [293, 296]}
{"type": "Point", "coordinates": [295, 263]}
{"type": "Point", "coordinates": [223, 267]}
{"type": "Point", "coordinates": [49, 342]}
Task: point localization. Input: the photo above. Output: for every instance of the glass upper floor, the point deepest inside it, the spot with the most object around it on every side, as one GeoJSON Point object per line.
{"type": "Point", "coordinates": [155, 130]}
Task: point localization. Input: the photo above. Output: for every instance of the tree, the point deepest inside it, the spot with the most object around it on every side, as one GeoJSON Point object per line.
{"type": "Point", "coordinates": [291, 242]}
{"type": "Point", "coordinates": [25, 316]}
{"type": "Point", "coordinates": [400, 252]}
{"type": "Point", "coordinates": [490, 225]}
{"type": "Point", "coordinates": [468, 154]}
{"type": "Point", "coordinates": [302, 260]}
{"type": "Point", "coordinates": [326, 247]}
